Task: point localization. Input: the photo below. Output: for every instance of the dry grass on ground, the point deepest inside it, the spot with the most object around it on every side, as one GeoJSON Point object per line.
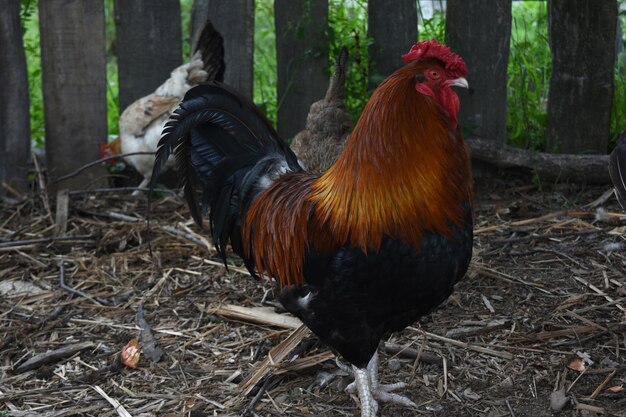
{"type": "Point", "coordinates": [546, 290]}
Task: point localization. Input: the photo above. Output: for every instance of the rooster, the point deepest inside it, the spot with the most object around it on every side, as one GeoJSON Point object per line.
{"type": "Point", "coordinates": [141, 124]}
{"type": "Point", "coordinates": [617, 169]}
{"type": "Point", "coordinates": [362, 250]}
{"type": "Point", "coordinates": [327, 125]}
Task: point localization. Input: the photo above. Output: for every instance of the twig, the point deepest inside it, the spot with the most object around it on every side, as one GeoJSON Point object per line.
{"type": "Point", "coordinates": [215, 263]}
{"type": "Point", "coordinates": [275, 356]}
{"type": "Point", "coordinates": [508, 405]}
{"type": "Point", "coordinates": [13, 191]}
{"type": "Point", "coordinates": [71, 290]}
{"type": "Point", "coordinates": [97, 162]}
{"type": "Point", "coordinates": [52, 356]}
{"type": "Point", "coordinates": [410, 353]}
{"type": "Point", "coordinates": [119, 408]}
{"type": "Point", "coordinates": [110, 215]}
{"type": "Point", "coordinates": [304, 363]}
{"type": "Point", "coordinates": [493, 273]}
{"type": "Point", "coordinates": [576, 380]}
{"type": "Point", "coordinates": [600, 200]}
{"type": "Point", "coordinates": [480, 331]}
{"type": "Point", "coordinates": [552, 251]}
{"type": "Point", "coordinates": [570, 331]}
{"type": "Point", "coordinates": [599, 291]}
{"type": "Point", "coordinates": [196, 235]}
{"type": "Point", "coordinates": [18, 243]}
{"type": "Point", "coordinates": [259, 315]}
{"type": "Point", "coordinates": [118, 190]}
{"type": "Point", "coordinates": [545, 217]}
{"type": "Point", "coordinates": [62, 212]}
{"type": "Point", "coordinates": [487, 351]}
{"type": "Point", "coordinates": [592, 408]}
{"type": "Point", "coordinates": [602, 385]}
{"type": "Point", "coordinates": [250, 407]}
{"type": "Point", "coordinates": [42, 186]}
{"type": "Point", "coordinates": [545, 237]}
{"type": "Point", "coordinates": [179, 233]}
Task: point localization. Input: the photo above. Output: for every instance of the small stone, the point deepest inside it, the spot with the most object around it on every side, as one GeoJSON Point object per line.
{"type": "Point", "coordinates": [471, 395]}
{"type": "Point", "coordinates": [394, 364]}
{"type": "Point", "coordinates": [558, 400]}
{"type": "Point", "coordinates": [507, 382]}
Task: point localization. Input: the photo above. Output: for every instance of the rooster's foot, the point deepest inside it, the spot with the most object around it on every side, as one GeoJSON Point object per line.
{"type": "Point", "coordinates": [370, 390]}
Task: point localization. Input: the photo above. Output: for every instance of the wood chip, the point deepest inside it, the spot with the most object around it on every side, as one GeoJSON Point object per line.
{"type": "Point", "coordinates": [52, 356]}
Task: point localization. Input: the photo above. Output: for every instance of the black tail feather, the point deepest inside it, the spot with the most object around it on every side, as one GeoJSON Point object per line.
{"type": "Point", "coordinates": [211, 46]}
{"type": "Point", "coordinates": [617, 169]}
{"type": "Point", "coordinates": [224, 145]}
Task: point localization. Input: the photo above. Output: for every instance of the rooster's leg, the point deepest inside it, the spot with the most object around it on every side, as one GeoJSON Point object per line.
{"type": "Point", "coordinates": [381, 392]}
{"type": "Point", "coordinates": [143, 184]}
{"type": "Point", "coordinates": [369, 406]}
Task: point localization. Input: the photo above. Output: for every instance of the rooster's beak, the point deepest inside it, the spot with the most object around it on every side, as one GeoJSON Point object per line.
{"type": "Point", "coordinates": [459, 82]}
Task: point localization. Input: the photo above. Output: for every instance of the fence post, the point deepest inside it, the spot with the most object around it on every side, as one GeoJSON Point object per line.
{"type": "Point", "coordinates": [480, 31]}
{"type": "Point", "coordinates": [302, 60]}
{"type": "Point", "coordinates": [234, 20]}
{"type": "Point", "coordinates": [582, 41]}
{"type": "Point", "coordinates": [74, 87]}
{"type": "Point", "coordinates": [393, 27]}
{"type": "Point", "coordinates": [148, 44]}
{"type": "Point", "coordinates": [14, 113]}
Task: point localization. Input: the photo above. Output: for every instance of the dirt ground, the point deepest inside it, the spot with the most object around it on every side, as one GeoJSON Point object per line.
{"type": "Point", "coordinates": [541, 310]}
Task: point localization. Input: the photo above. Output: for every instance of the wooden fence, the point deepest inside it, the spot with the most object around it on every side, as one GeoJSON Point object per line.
{"type": "Point", "coordinates": [582, 38]}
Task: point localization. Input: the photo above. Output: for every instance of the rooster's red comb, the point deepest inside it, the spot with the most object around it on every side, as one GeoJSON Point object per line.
{"type": "Point", "coordinates": [433, 49]}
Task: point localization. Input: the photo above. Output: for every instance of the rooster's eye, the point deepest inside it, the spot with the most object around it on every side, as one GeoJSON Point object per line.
{"type": "Point", "coordinates": [434, 74]}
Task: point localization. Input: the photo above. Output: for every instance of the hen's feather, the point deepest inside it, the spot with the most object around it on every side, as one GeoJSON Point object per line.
{"type": "Point", "coordinates": [141, 123]}
{"type": "Point", "coordinates": [328, 123]}
{"type": "Point", "coordinates": [617, 169]}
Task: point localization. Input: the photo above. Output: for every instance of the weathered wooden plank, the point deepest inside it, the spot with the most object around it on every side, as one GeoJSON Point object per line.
{"type": "Point", "coordinates": [582, 41]}
{"type": "Point", "coordinates": [302, 60]}
{"type": "Point", "coordinates": [74, 86]}
{"type": "Point", "coordinates": [14, 115]}
{"type": "Point", "coordinates": [480, 31]}
{"type": "Point", "coordinates": [148, 44]}
{"type": "Point", "coordinates": [234, 20]}
{"type": "Point", "coordinates": [393, 27]}
{"type": "Point", "coordinates": [590, 169]}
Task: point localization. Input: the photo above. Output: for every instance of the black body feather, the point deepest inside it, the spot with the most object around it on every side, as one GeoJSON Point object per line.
{"type": "Point", "coordinates": [356, 300]}
{"type": "Point", "coordinates": [617, 169]}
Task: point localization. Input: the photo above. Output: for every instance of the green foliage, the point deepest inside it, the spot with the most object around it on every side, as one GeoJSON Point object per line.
{"type": "Point", "coordinates": [30, 25]}
{"type": "Point", "coordinates": [347, 26]}
{"type": "Point", "coordinates": [113, 108]}
{"type": "Point", "coordinates": [618, 109]}
{"type": "Point", "coordinates": [529, 71]}
{"type": "Point", "coordinates": [265, 76]}
{"type": "Point", "coordinates": [433, 27]}
{"type": "Point", "coordinates": [185, 13]}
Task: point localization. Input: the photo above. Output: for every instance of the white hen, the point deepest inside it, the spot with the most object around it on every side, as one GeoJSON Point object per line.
{"type": "Point", "coordinates": [141, 124]}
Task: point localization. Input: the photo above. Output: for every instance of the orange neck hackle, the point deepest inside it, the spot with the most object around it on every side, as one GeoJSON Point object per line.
{"type": "Point", "coordinates": [404, 171]}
